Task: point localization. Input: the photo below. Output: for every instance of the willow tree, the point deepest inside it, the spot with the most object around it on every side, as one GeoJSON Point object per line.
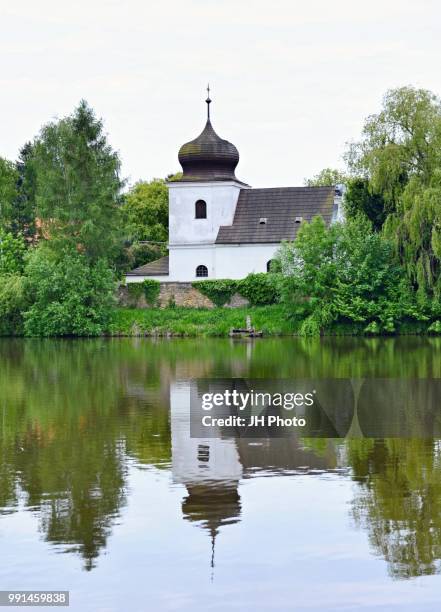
{"type": "Point", "coordinates": [400, 155]}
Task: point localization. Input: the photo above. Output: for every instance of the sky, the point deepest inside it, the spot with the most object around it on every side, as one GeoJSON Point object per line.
{"type": "Point", "coordinates": [291, 81]}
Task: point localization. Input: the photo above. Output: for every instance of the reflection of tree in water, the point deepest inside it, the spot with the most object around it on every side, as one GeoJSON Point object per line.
{"type": "Point", "coordinates": [73, 413]}
{"type": "Point", "coordinates": [68, 422]}
{"type": "Point", "coordinates": [77, 486]}
{"type": "Point", "coordinates": [399, 501]}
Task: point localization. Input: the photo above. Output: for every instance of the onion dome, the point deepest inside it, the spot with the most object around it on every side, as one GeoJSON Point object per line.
{"type": "Point", "coordinates": [208, 157]}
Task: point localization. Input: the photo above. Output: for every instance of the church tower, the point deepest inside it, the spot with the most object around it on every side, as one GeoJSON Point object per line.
{"type": "Point", "coordinates": [200, 202]}
{"type": "Point", "coordinates": [220, 228]}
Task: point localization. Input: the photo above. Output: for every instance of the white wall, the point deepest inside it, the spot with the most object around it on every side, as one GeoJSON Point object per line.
{"type": "Point", "coordinates": [236, 261]}
{"type": "Point", "coordinates": [222, 261]}
{"type": "Point", "coordinates": [221, 199]}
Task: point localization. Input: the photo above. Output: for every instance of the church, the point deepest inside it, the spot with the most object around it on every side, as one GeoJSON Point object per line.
{"type": "Point", "coordinates": [220, 227]}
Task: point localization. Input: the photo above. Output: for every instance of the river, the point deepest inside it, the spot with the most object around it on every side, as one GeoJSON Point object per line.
{"type": "Point", "coordinates": [104, 494]}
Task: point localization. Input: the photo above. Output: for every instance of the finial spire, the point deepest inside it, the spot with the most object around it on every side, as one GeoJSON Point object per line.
{"type": "Point", "coordinates": [208, 101]}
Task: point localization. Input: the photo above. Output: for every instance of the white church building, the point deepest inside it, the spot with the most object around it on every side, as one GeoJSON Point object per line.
{"type": "Point", "coordinates": [220, 227]}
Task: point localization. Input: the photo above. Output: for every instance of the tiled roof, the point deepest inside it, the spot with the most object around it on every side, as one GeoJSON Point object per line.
{"type": "Point", "coordinates": [159, 267]}
{"type": "Point", "coordinates": [275, 214]}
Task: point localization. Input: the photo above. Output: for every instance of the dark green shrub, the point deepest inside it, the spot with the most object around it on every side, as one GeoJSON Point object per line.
{"type": "Point", "coordinates": [69, 295]}
{"type": "Point", "coordinates": [346, 274]}
{"type": "Point", "coordinates": [218, 291]}
{"type": "Point", "coordinates": [151, 290]}
{"type": "Point", "coordinates": [12, 251]}
{"type": "Point", "coordinates": [12, 302]}
{"type": "Point", "coordinates": [135, 290]}
{"type": "Point", "coordinates": [259, 289]}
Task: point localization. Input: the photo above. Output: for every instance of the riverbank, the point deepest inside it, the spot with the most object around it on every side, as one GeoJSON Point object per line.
{"type": "Point", "coordinates": [217, 322]}
{"type": "Point", "coordinates": [192, 322]}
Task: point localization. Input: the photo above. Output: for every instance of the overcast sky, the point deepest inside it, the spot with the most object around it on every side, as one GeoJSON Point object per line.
{"type": "Point", "coordinates": [292, 81]}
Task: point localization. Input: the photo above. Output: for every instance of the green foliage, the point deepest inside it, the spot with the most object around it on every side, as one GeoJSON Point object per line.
{"type": "Point", "coordinates": [78, 185]}
{"type": "Point", "coordinates": [327, 177]}
{"type": "Point", "coordinates": [135, 290]}
{"type": "Point", "coordinates": [145, 213]}
{"type": "Point", "coordinates": [359, 199]}
{"type": "Point", "coordinates": [23, 217]}
{"type": "Point", "coordinates": [259, 289]}
{"type": "Point", "coordinates": [344, 273]}
{"type": "Point", "coordinates": [12, 251]}
{"type": "Point", "coordinates": [399, 142]}
{"type": "Point", "coordinates": [400, 156]}
{"type": "Point", "coordinates": [149, 288]}
{"type": "Point", "coordinates": [12, 302]}
{"type": "Point", "coordinates": [181, 321]}
{"type": "Point", "coordinates": [435, 328]}
{"type": "Point", "coordinates": [69, 295]}
{"type": "Point", "coordinates": [218, 291]}
{"type": "Point", "coordinates": [416, 230]}
{"type": "Point", "coordinates": [8, 192]}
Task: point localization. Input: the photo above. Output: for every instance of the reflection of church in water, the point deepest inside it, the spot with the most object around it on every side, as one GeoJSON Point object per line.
{"type": "Point", "coordinates": [211, 468]}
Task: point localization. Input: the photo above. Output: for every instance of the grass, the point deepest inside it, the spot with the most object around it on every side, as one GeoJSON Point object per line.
{"type": "Point", "coordinates": [193, 322]}
{"type": "Point", "coordinates": [197, 321]}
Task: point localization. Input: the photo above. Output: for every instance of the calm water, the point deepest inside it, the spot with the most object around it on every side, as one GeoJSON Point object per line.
{"type": "Point", "coordinates": [103, 493]}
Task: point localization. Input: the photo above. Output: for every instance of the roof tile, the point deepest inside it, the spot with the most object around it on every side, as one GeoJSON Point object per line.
{"type": "Point", "coordinates": [280, 206]}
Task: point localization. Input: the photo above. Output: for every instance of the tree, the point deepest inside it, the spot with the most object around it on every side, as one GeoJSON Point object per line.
{"type": "Point", "coordinates": [12, 251]}
{"type": "Point", "coordinates": [8, 181]}
{"type": "Point", "coordinates": [359, 199]}
{"type": "Point", "coordinates": [69, 295]}
{"type": "Point", "coordinates": [398, 501]}
{"type": "Point", "coordinates": [12, 303]}
{"type": "Point", "coordinates": [145, 212]}
{"type": "Point", "coordinates": [327, 177]}
{"type": "Point", "coordinates": [399, 142]}
{"type": "Point", "coordinates": [343, 273]}
{"type": "Point", "coordinates": [23, 217]}
{"type": "Point", "coordinates": [78, 185]}
{"type": "Point", "coordinates": [399, 154]}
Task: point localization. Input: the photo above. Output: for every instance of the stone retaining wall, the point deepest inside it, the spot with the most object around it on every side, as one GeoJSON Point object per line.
{"type": "Point", "coordinates": [179, 294]}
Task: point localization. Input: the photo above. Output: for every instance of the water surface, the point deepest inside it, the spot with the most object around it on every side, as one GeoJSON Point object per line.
{"type": "Point", "coordinates": [103, 493]}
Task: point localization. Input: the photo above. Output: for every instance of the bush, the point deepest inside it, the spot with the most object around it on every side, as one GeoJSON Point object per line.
{"type": "Point", "coordinates": [218, 291]}
{"type": "Point", "coordinates": [345, 273]}
{"type": "Point", "coordinates": [134, 290]}
{"type": "Point", "coordinates": [12, 302]}
{"type": "Point", "coordinates": [12, 250]}
{"type": "Point", "coordinates": [435, 328]}
{"type": "Point", "coordinates": [149, 288]}
{"type": "Point", "coordinates": [68, 294]}
{"type": "Point", "coordinates": [259, 289]}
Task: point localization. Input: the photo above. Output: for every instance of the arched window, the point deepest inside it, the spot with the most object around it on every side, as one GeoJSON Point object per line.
{"type": "Point", "coordinates": [200, 209]}
{"type": "Point", "coordinates": [201, 271]}
{"type": "Point", "coordinates": [269, 264]}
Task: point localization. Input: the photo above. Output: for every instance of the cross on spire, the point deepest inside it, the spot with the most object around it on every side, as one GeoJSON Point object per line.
{"type": "Point", "coordinates": [208, 101]}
